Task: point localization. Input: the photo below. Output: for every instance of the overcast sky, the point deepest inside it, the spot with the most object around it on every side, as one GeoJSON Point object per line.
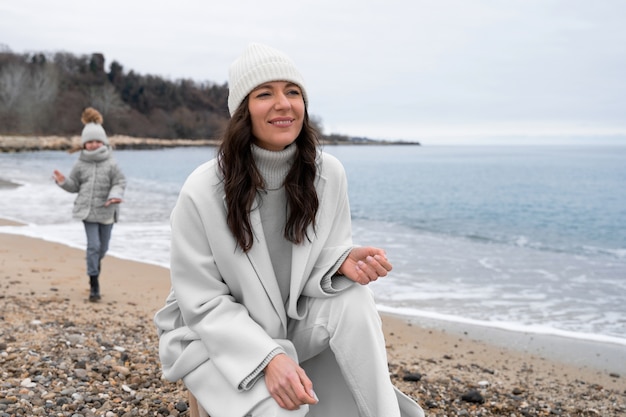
{"type": "Point", "coordinates": [394, 69]}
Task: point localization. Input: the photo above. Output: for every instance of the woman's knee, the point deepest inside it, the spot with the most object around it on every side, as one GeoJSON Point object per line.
{"type": "Point", "coordinates": [355, 308]}
{"type": "Point", "coordinates": [357, 295]}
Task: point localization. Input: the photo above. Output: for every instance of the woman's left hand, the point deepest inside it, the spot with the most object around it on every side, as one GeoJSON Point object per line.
{"type": "Point", "coordinates": [365, 264]}
{"type": "Point", "coordinates": [112, 201]}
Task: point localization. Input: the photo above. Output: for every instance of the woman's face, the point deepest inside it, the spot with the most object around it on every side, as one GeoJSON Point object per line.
{"type": "Point", "coordinates": [92, 145]}
{"type": "Point", "coordinates": [277, 114]}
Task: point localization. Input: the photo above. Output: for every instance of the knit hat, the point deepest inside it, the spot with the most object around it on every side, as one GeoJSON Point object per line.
{"type": "Point", "coordinates": [93, 130]}
{"type": "Point", "coordinates": [257, 65]}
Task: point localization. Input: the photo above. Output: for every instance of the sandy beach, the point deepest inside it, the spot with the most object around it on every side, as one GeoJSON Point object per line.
{"type": "Point", "coordinates": [62, 355]}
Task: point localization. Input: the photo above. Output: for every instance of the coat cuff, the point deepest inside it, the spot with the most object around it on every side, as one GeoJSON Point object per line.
{"type": "Point", "coordinates": [334, 282]}
{"type": "Point", "coordinates": [251, 379]}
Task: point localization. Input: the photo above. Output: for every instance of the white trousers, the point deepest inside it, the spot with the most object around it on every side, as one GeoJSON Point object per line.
{"type": "Point", "coordinates": [347, 326]}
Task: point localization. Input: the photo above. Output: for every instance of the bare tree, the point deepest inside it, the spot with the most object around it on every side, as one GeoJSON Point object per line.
{"type": "Point", "coordinates": [41, 93]}
{"type": "Point", "coordinates": [12, 81]}
{"type": "Point", "coordinates": [44, 84]}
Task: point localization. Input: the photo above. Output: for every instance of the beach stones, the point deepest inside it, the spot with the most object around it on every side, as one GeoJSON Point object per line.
{"type": "Point", "coordinates": [79, 360]}
{"type": "Point", "coordinates": [100, 364]}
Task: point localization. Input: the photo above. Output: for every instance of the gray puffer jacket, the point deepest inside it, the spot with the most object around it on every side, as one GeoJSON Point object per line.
{"type": "Point", "coordinates": [96, 178]}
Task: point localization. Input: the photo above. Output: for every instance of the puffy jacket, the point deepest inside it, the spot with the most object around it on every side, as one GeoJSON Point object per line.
{"type": "Point", "coordinates": [96, 178]}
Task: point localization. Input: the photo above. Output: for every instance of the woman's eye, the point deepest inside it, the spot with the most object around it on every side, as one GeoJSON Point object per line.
{"type": "Point", "coordinates": [293, 92]}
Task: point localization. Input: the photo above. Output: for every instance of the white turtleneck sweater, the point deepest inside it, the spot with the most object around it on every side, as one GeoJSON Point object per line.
{"type": "Point", "coordinates": [274, 166]}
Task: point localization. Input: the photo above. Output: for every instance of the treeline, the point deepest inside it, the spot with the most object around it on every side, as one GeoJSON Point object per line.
{"type": "Point", "coordinates": [45, 94]}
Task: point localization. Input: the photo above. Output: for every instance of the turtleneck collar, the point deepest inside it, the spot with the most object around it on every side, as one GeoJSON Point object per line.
{"type": "Point", "coordinates": [274, 165]}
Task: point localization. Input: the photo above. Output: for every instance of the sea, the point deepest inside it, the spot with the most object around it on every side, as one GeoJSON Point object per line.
{"type": "Point", "coordinates": [528, 238]}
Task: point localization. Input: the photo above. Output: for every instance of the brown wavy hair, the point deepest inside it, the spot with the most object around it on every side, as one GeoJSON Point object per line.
{"type": "Point", "coordinates": [242, 179]}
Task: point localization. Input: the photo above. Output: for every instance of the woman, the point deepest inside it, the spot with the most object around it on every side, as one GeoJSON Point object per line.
{"type": "Point", "coordinates": [100, 185]}
{"type": "Point", "coordinates": [269, 314]}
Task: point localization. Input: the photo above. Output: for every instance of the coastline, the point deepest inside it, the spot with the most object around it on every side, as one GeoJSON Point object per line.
{"type": "Point", "coordinates": [9, 144]}
{"type": "Point", "coordinates": [16, 143]}
{"type": "Point", "coordinates": [435, 362]}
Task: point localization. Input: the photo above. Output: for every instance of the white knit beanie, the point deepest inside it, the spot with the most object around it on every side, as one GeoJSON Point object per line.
{"type": "Point", "coordinates": [257, 65]}
{"type": "Point", "coordinates": [93, 130]}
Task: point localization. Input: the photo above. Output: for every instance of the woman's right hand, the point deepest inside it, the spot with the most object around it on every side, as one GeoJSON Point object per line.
{"type": "Point", "coordinates": [58, 177]}
{"type": "Point", "coordinates": [365, 264]}
{"type": "Point", "coordinates": [288, 383]}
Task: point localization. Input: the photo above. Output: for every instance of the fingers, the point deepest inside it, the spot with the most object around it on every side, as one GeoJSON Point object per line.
{"type": "Point", "coordinates": [384, 263]}
{"type": "Point", "coordinates": [112, 201]}
{"type": "Point", "coordinates": [286, 399]}
{"type": "Point", "coordinates": [365, 264]}
{"type": "Point", "coordinates": [292, 396]}
{"type": "Point", "coordinates": [307, 384]}
{"type": "Point", "coordinates": [372, 268]}
{"type": "Point", "coordinates": [288, 383]}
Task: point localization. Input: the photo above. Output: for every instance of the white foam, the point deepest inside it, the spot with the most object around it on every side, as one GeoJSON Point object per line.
{"type": "Point", "coordinates": [503, 325]}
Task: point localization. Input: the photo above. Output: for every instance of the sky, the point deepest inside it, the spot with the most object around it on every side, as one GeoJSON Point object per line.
{"type": "Point", "coordinates": [433, 71]}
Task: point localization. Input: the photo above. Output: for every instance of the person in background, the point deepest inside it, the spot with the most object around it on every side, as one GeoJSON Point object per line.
{"type": "Point", "coordinates": [100, 185]}
{"type": "Point", "coordinates": [269, 312]}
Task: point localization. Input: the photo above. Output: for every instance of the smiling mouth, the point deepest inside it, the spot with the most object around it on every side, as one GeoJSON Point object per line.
{"type": "Point", "coordinates": [282, 122]}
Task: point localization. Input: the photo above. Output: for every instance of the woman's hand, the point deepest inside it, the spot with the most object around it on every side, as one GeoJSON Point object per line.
{"type": "Point", "coordinates": [288, 383]}
{"type": "Point", "coordinates": [365, 264]}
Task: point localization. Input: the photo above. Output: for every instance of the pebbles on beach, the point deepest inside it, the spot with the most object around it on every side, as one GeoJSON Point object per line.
{"type": "Point", "coordinates": [447, 387]}
{"type": "Point", "coordinates": [59, 358]}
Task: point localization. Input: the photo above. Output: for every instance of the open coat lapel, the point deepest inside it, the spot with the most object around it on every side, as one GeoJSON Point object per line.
{"type": "Point", "coordinates": [301, 261]}
{"type": "Point", "coordinates": [261, 261]}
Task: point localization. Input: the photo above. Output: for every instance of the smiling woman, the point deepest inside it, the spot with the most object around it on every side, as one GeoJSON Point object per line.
{"type": "Point", "coordinates": [264, 272]}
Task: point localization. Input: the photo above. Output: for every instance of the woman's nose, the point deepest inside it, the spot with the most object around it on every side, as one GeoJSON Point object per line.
{"type": "Point", "coordinates": [282, 101]}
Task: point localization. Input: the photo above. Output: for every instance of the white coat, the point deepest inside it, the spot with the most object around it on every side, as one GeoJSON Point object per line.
{"type": "Point", "coordinates": [225, 312]}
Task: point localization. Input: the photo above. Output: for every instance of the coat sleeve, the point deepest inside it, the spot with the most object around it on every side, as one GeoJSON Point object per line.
{"type": "Point", "coordinates": [180, 349]}
{"type": "Point", "coordinates": [118, 182]}
{"type": "Point", "coordinates": [334, 233]}
{"type": "Point", "coordinates": [234, 342]}
{"type": "Point", "coordinates": [72, 181]}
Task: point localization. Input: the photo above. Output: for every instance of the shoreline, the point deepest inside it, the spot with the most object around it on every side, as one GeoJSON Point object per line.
{"type": "Point", "coordinates": [44, 285]}
{"type": "Point", "coordinates": [17, 143]}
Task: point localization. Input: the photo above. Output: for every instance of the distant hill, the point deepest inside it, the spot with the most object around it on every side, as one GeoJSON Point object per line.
{"type": "Point", "coordinates": [44, 94]}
